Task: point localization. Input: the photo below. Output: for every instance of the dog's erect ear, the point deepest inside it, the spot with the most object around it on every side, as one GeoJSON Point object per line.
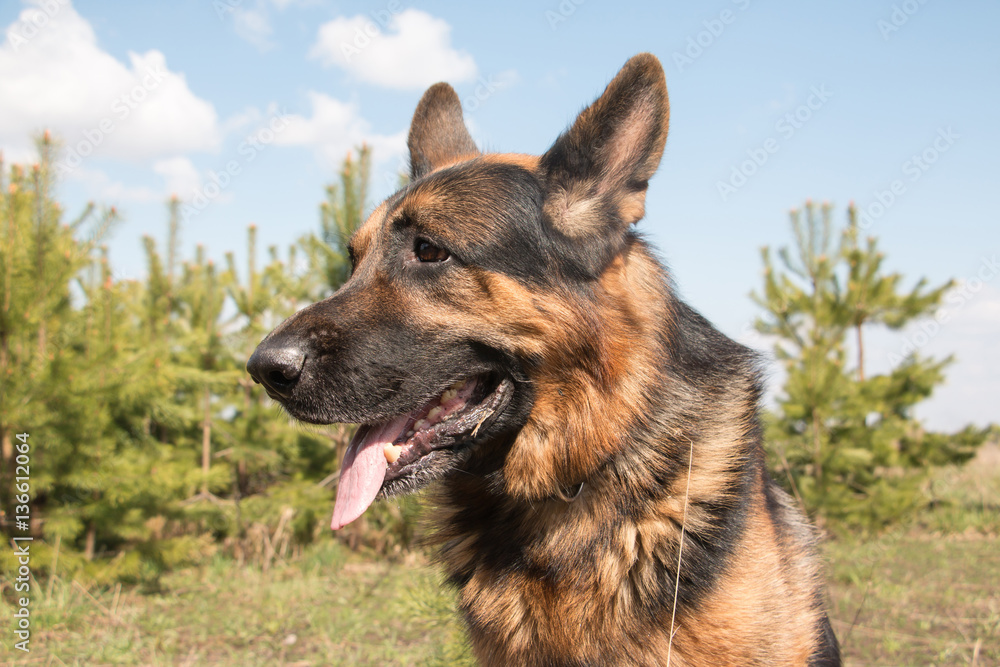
{"type": "Point", "coordinates": [596, 173]}
{"type": "Point", "coordinates": [438, 136]}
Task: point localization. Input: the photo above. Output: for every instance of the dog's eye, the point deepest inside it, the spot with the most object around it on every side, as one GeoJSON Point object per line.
{"type": "Point", "coordinates": [428, 252]}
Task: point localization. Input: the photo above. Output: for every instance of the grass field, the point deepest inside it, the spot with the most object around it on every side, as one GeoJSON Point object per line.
{"type": "Point", "coordinates": [328, 608]}
{"type": "Point", "coordinates": [927, 594]}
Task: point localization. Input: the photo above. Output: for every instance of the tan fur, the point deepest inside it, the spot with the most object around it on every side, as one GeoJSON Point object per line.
{"type": "Point", "coordinates": [761, 613]}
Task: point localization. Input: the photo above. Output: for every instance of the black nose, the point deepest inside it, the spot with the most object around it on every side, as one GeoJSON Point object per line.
{"type": "Point", "coordinates": [277, 367]}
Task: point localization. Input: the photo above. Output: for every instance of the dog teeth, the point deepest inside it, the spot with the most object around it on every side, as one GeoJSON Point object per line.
{"type": "Point", "coordinates": [420, 425]}
{"type": "Point", "coordinates": [434, 413]}
{"type": "Point", "coordinates": [448, 395]}
{"type": "Point", "coordinates": [392, 452]}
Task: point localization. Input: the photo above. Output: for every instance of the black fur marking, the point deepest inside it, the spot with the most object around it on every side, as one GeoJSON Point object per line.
{"type": "Point", "coordinates": [827, 653]}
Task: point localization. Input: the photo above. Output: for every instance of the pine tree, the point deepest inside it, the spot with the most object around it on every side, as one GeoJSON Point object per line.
{"type": "Point", "coordinates": [40, 354]}
{"type": "Point", "coordinates": [209, 368]}
{"type": "Point", "coordinates": [342, 213]}
{"type": "Point", "coordinates": [73, 375]}
{"type": "Point", "coordinates": [874, 298]}
{"type": "Point", "coordinates": [149, 441]}
{"type": "Point", "coordinates": [386, 525]}
{"type": "Point", "coordinates": [268, 453]}
{"type": "Point", "coordinates": [847, 442]}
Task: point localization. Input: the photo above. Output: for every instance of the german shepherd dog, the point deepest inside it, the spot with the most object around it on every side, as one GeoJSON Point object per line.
{"type": "Point", "coordinates": [601, 492]}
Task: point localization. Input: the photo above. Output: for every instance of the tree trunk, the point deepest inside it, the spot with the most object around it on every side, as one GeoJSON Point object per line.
{"type": "Point", "coordinates": [90, 545]}
{"type": "Point", "coordinates": [817, 450]}
{"type": "Point", "coordinates": [861, 355]}
{"type": "Point", "coordinates": [206, 442]}
{"type": "Point", "coordinates": [7, 448]}
{"type": "Point", "coordinates": [7, 472]}
{"type": "Point", "coordinates": [41, 343]}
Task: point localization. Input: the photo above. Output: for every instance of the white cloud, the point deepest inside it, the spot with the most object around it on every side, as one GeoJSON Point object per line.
{"type": "Point", "coordinates": [57, 77]}
{"type": "Point", "coordinates": [240, 121]}
{"type": "Point", "coordinates": [104, 189]}
{"type": "Point", "coordinates": [254, 26]}
{"type": "Point", "coordinates": [254, 23]}
{"type": "Point", "coordinates": [180, 175]}
{"type": "Point", "coordinates": [965, 327]}
{"type": "Point", "coordinates": [335, 128]}
{"type": "Point", "coordinates": [413, 51]}
{"type": "Point", "coordinates": [968, 330]}
{"type": "Point", "coordinates": [180, 178]}
{"type": "Point", "coordinates": [282, 5]}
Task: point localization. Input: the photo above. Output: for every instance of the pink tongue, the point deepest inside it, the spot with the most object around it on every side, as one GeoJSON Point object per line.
{"type": "Point", "coordinates": [363, 470]}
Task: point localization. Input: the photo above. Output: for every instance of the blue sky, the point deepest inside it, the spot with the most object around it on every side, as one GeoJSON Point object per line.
{"type": "Point", "coordinates": [245, 107]}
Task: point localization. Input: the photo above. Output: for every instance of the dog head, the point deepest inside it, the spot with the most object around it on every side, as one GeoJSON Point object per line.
{"type": "Point", "coordinates": [487, 318]}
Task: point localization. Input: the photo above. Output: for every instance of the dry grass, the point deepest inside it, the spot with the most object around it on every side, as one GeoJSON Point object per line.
{"type": "Point", "coordinates": [328, 608]}
{"type": "Point", "coordinates": [917, 599]}
{"type": "Point", "coordinates": [924, 595]}
{"type": "Point", "coordinates": [927, 594]}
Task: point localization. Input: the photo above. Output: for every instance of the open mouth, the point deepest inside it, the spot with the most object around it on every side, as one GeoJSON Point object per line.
{"type": "Point", "coordinates": [385, 453]}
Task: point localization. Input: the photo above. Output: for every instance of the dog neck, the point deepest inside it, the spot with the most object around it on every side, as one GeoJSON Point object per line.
{"type": "Point", "coordinates": [562, 533]}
